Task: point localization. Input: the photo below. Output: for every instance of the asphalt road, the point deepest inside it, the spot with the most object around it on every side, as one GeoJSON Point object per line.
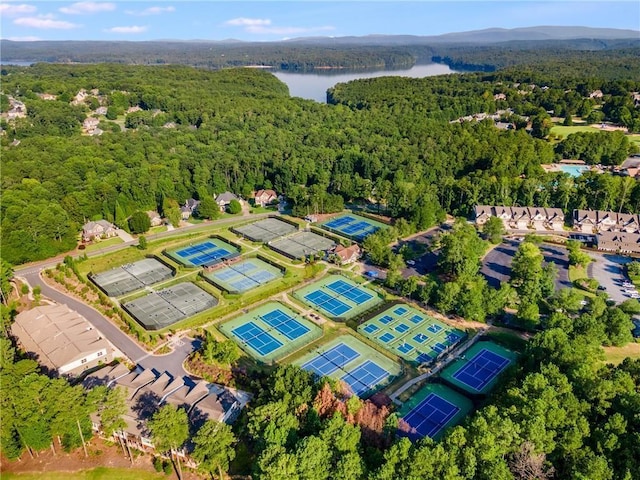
{"type": "Point", "coordinates": [496, 265]}
{"type": "Point", "coordinates": [172, 362]}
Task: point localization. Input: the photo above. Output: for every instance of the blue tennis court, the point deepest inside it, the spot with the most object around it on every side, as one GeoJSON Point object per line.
{"type": "Point", "coordinates": [256, 338]}
{"type": "Point", "coordinates": [339, 222]}
{"type": "Point", "coordinates": [416, 319]}
{"type": "Point", "coordinates": [434, 328]}
{"type": "Point", "coordinates": [365, 376]}
{"type": "Point", "coordinates": [423, 357]}
{"type": "Point", "coordinates": [401, 328]}
{"type": "Point", "coordinates": [420, 338]}
{"type": "Point", "coordinates": [243, 284]}
{"type": "Point", "coordinates": [356, 227]}
{"type": "Point", "coordinates": [438, 348]}
{"type": "Point", "coordinates": [452, 337]}
{"type": "Point", "coordinates": [371, 328]}
{"type": "Point", "coordinates": [400, 311]}
{"type": "Point", "coordinates": [431, 415]}
{"type": "Point", "coordinates": [285, 324]}
{"type": "Point", "coordinates": [349, 291]}
{"type": "Point", "coordinates": [405, 347]}
{"type": "Point", "coordinates": [386, 320]}
{"type": "Point", "coordinates": [326, 302]}
{"type": "Point", "coordinates": [328, 362]}
{"type": "Point", "coordinates": [387, 337]}
{"type": "Point", "coordinates": [481, 369]}
{"type": "Point", "coordinates": [201, 247]}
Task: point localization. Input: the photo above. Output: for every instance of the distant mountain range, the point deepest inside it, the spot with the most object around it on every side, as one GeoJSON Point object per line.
{"type": "Point", "coordinates": [487, 36]}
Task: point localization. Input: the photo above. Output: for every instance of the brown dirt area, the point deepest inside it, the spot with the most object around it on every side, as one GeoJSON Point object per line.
{"type": "Point", "coordinates": [101, 454]}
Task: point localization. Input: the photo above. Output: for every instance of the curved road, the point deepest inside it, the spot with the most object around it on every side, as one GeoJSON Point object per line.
{"type": "Point", "coordinates": [182, 347]}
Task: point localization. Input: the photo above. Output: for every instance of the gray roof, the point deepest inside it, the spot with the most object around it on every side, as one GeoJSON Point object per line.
{"type": "Point", "coordinates": [226, 197]}
{"type": "Point", "coordinates": [57, 335]}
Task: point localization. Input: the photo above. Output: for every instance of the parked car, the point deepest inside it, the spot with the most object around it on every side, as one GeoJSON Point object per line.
{"type": "Point", "coordinates": [411, 262]}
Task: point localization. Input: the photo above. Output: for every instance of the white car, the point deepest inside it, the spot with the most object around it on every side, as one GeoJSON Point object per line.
{"type": "Point", "coordinates": [411, 262]}
{"type": "Point", "coordinates": [635, 295]}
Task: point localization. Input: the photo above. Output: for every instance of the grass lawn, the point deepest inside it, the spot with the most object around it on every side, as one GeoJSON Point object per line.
{"type": "Point", "coordinates": [158, 229]}
{"type": "Point", "coordinates": [635, 139]}
{"type": "Point", "coordinates": [103, 243]}
{"type": "Point", "coordinates": [616, 355]}
{"type": "Point", "coordinates": [565, 131]}
{"type": "Point", "coordinates": [100, 473]}
{"type": "Point", "coordinates": [576, 272]}
{"type": "Point", "coordinates": [510, 340]}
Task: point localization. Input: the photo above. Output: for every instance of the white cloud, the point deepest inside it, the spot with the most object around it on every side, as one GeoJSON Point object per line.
{"type": "Point", "coordinates": [82, 8]}
{"type": "Point", "coordinates": [130, 29]}
{"type": "Point", "coordinates": [8, 9]}
{"type": "Point", "coordinates": [286, 30]}
{"type": "Point", "coordinates": [150, 11]}
{"type": "Point", "coordinates": [24, 39]}
{"type": "Point", "coordinates": [44, 22]}
{"type": "Point", "coordinates": [248, 22]}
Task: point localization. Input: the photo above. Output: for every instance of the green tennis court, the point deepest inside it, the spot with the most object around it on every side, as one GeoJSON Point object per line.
{"type": "Point", "coordinates": [271, 331]}
{"type": "Point", "coordinates": [265, 230]}
{"type": "Point", "coordinates": [132, 276]}
{"type": "Point", "coordinates": [170, 305]}
{"type": "Point", "coordinates": [431, 411]}
{"type": "Point", "coordinates": [411, 334]}
{"type": "Point", "coordinates": [302, 244]}
{"type": "Point", "coordinates": [351, 361]}
{"type": "Point", "coordinates": [338, 297]}
{"type": "Point", "coordinates": [477, 371]}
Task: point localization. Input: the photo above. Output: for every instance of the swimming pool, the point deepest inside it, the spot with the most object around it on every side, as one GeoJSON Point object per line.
{"type": "Point", "coordinates": [573, 170]}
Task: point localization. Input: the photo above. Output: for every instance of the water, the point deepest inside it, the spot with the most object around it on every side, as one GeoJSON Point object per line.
{"type": "Point", "coordinates": [573, 170]}
{"type": "Point", "coordinates": [313, 86]}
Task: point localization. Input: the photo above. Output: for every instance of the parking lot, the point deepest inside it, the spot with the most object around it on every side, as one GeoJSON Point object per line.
{"type": "Point", "coordinates": [608, 270]}
{"type": "Point", "coordinates": [496, 265]}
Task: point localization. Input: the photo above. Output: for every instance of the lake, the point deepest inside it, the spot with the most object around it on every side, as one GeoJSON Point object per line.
{"type": "Point", "coordinates": [313, 86]}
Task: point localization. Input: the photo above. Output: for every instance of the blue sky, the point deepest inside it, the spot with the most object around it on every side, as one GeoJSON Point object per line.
{"type": "Point", "coordinates": [272, 21]}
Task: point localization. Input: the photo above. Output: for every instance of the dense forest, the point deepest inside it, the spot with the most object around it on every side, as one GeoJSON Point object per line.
{"type": "Point", "coordinates": [561, 413]}
{"type": "Point", "coordinates": [393, 141]}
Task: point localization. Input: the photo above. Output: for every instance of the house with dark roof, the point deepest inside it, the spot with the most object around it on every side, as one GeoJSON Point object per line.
{"type": "Point", "coordinates": [189, 207]}
{"type": "Point", "coordinates": [224, 199]}
{"type": "Point", "coordinates": [620, 242]}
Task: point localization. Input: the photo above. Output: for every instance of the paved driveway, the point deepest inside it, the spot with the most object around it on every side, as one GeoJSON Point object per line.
{"type": "Point", "coordinates": [171, 363]}
{"type": "Point", "coordinates": [496, 265]}
{"type": "Point", "coordinates": [608, 270]}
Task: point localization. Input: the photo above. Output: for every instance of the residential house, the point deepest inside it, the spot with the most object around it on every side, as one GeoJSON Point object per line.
{"type": "Point", "coordinates": [100, 111]}
{"type": "Point", "coordinates": [621, 242]}
{"type": "Point", "coordinates": [46, 96]}
{"type": "Point", "coordinates": [98, 229]}
{"type": "Point", "coordinates": [154, 218]}
{"type": "Point", "coordinates": [134, 109]}
{"type": "Point", "coordinates": [584, 221]}
{"type": "Point", "coordinates": [189, 208]}
{"type": "Point", "coordinates": [596, 94]}
{"type": "Point", "coordinates": [224, 199]}
{"type": "Point", "coordinates": [265, 197]}
{"type": "Point", "coordinates": [146, 391]}
{"type": "Point", "coordinates": [90, 124]}
{"type": "Point", "coordinates": [520, 218]}
{"type": "Point", "coordinates": [598, 221]}
{"type": "Point", "coordinates": [482, 213]}
{"type": "Point", "coordinates": [60, 339]}
{"type": "Point", "coordinates": [80, 97]}
{"type": "Point", "coordinates": [555, 219]}
{"type": "Point", "coordinates": [349, 254]}
{"type": "Point", "coordinates": [628, 222]}
{"type": "Point", "coordinates": [606, 221]}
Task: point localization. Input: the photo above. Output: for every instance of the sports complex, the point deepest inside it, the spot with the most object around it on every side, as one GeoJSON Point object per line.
{"type": "Point", "coordinates": [167, 306]}
{"type": "Point", "coordinates": [265, 230]}
{"type": "Point", "coordinates": [432, 410]}
{"type": "Point", "coordinates": [204, 254]}
{"type": "Point", "coordinates": [131, 277]}
{"type": "Point", "coordinates": [244, 276]}
{"type": "Point", "coordinates": [411, 334]}
{"type": "Point", "coordinates": [271, 331]}
{"type": "Point", "coordinates": [338, 297]}
{"type": "Point", "coordinates": [348, 359]}
{"type": "Point", "coordinates": [302, 244]}
{"type": "Point", "coordinates": [353, 226]}
{"type": "Point", "coordinates": [477, 370]}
